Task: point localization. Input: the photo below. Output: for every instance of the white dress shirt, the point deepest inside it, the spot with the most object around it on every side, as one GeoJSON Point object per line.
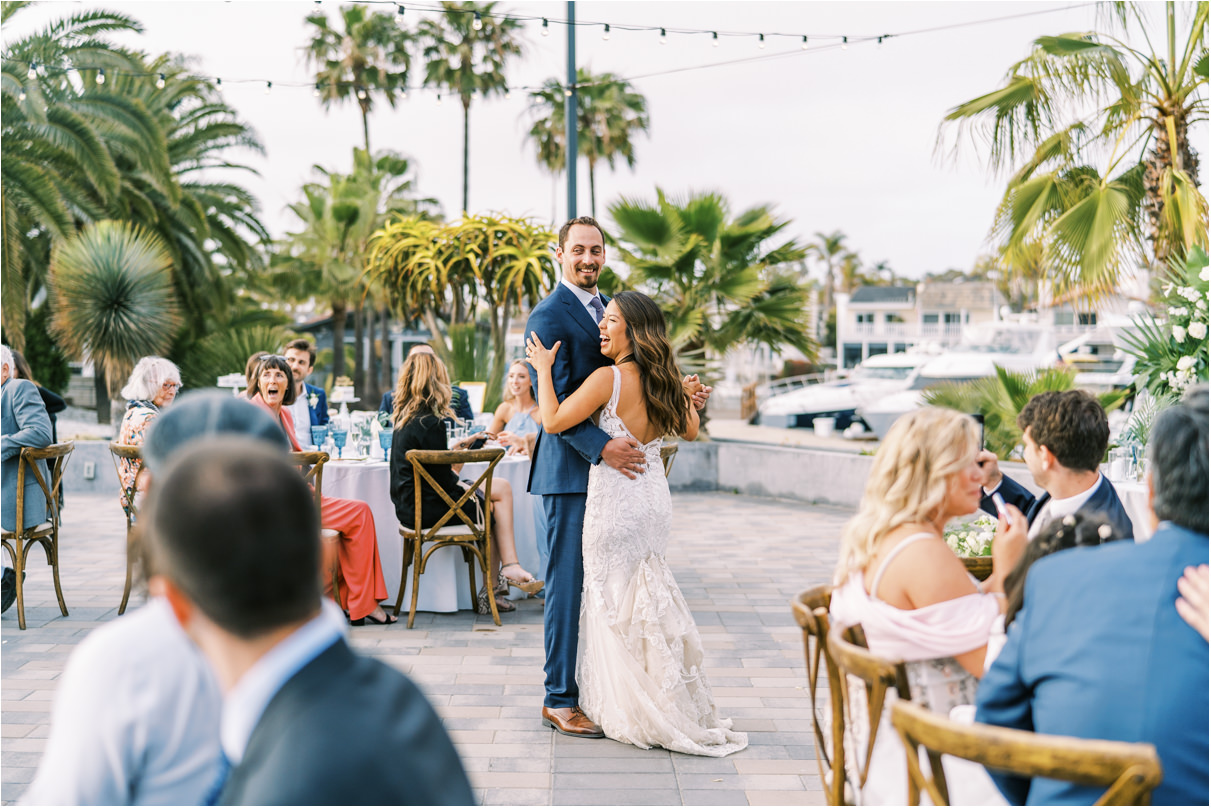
{"type": "Point", "coordinates": [301, 413]}
{"type": "Point", "coordinates": [246, 701]}
{"type": "Point", "coordinates": [136, 719]}
{"type": "Point", "coordinates": [584, 296]}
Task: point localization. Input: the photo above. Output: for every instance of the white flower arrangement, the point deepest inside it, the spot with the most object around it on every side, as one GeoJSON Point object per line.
{"type": "Point", "coordinates": [1172, 353]}
{"type": "Point", "coordinates": [972, 538]}
{"type": "Point", "coordinates": [313, 400]}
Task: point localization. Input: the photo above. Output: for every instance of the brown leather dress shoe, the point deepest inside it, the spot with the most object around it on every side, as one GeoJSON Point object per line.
{"type": "Point", "coordinates": [570, 721]}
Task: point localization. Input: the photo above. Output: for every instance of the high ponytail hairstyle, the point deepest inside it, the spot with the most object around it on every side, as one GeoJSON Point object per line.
{"type": "Point", "coordinates": [667, 402]}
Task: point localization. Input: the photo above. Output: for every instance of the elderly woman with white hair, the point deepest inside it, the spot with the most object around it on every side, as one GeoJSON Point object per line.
{"type": "Point", "coordinates": [153, 385]}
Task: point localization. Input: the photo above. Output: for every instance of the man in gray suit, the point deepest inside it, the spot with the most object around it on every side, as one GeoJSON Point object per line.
{"type": "Point", "coordinates": [233, 542]}
{"type": "Point", "coordinates": [23, 423]}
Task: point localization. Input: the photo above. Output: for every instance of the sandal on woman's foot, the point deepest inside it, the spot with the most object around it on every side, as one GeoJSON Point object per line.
{"type": "Point", "coordinates": [528, 585]}
{"type": "Point", "coordinates": [374, 621]}
{"type": "Point", "coordinates": [483, 607]}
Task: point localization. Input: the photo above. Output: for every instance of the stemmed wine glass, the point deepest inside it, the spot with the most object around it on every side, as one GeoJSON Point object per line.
{"type": "Point", "coordinates": [339, 436]}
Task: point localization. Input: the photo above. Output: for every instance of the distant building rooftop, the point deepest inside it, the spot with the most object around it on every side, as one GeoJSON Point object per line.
{"type": "Point", "coordinates": [967, 295]}
{"type": "Point", "coordinates": [884, 294]}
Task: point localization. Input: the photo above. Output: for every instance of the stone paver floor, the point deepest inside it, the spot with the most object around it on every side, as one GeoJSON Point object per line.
{"type": "Point", "coordinates": [738, 560]}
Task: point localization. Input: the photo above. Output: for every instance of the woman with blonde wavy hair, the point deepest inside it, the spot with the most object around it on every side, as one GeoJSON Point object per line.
{"type": "Point", "coordinates": [911, 593]}
{"type": "Point", "coordinates": [421, 405]}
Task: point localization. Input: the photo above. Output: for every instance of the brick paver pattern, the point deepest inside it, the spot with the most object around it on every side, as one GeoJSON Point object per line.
{"type": "Point", "coordinates": [739, 560]}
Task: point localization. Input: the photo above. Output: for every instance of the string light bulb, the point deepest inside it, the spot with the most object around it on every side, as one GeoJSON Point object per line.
{"type": "Point", "coordinates": [664, 37]}
{"type": "Point", "coordinates": [880, 40]}
{"type": "Point", "coordinates": [399, 17]}
{"type": "Point", "coordinates": [21, 95]}
{"type": "Point", "coordinates": [567, 91]}
{"type": "Point", "coordinates": [32, 73]}
{"type": "Point", "coordinates": [160, 82]}
{"type": "Point", "coordinates": [268, 87]}
{"type": "Point", "coordinates": [508, 93]}
{"type": "Point", "coordinates": [316, 91]}
{"type": "Point", "coordinates": [761, 41]}
{"type": "Point", "coordinates": [101, 75]}
{"type": "Point", "coordinates": [605, 35]}
{"type": "Point", "coordinates": [804, 46]}
{"type": "Point", "coordinates": [478, 22]}
{"type": "Point", "coordinates": [546, 27]}
{"type": "Point", "coordinates": [715, 39]}
{"type": "Point", "coordinates": [403, 93]}
{"type": "Point", "coordinates": [361, 94]}
{"type": "Point", "coordinates": [844, 43]}
{"type": "Point", "coordinates": [439, 99]}
{"type": "Point", "coordinates": [218, 82]}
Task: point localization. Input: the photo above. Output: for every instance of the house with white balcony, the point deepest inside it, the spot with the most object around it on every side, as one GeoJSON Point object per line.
{"type": "Point", "coordinates": [887, 319]}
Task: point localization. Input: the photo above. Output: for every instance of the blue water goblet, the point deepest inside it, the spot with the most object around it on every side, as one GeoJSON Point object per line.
{"type": "Point", "coordinates": [384, 440]}
{"type": "Point", "coordinates": [339, 436]}
{"type": "Point", "coordinates": [318, 433]}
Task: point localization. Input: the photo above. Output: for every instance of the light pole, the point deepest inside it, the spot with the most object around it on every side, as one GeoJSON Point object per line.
{"type": "Point", "coordinates": [570, 111]}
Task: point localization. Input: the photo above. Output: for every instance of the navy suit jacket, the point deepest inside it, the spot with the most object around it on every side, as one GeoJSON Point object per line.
{"type": "Point", "coordinates": [1103, 500]}
{"type": "Point", "coordinates": [348, 730]}
{"type": "Point", "coordinates": [561, 462]}
{"type": "Point", "coordinates": [1099, 651]}
{"type": "Point", "coordinates": [319, 413]}
{"type": "Point", "coordinates": [461, 403]}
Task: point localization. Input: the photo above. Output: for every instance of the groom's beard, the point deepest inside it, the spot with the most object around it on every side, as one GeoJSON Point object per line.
{"type": "Point", "coordinates": [587, 275]}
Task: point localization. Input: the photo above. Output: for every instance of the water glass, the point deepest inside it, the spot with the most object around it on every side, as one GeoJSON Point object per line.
{"type": "Point", "coordinates": [339, 437]}
{"type": "Point", "coordinates": [384, 440]}
{"type": "Point", "coordinates": [318, 434]}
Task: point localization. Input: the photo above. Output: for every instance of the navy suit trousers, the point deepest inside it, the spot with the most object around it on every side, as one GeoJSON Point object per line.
{"type": "Point", "coordinates": [565, 579]}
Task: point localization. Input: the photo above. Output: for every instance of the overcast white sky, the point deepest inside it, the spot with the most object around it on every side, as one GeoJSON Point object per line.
{"type": "Point", "coordinates": [835, 140]}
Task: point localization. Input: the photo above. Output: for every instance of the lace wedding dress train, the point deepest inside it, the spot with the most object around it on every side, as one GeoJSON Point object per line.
{"type": "Point", "coordinates": [640, 660]}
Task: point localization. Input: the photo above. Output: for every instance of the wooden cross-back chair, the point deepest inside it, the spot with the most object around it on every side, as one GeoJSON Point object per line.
{"type": "Point", "coordinates": [312, 466]}
{"type": "Point", "coordinates": [119, 452]}
{"type": "Point", "coordinates": [1128, 771]}
{"type": "Point", "coordinates": [455, 528]}
{"type": "Point", "coordinates": [19, 540]}
{"type": "Point", "coordinates": [847, 645]}
{"type": "Point", "coordinates": [810, 608]}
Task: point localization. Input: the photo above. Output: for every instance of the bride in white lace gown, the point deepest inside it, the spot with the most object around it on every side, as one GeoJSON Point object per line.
{"type": "Point", "coordinates": [640, 666]}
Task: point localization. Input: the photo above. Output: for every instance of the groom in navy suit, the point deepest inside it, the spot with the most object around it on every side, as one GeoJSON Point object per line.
{"type": "Point", "coordinates": [560, 469]}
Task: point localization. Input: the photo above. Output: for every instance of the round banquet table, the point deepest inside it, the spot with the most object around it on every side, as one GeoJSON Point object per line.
{"type": "Point", "coordinates": [443, 587]}
{"type": "Point", "coordinates": [1134, 496]}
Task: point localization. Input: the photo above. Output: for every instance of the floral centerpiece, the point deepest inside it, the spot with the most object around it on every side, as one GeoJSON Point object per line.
{"type": "Point", "coordinates": [1172, 353]}
{"type": "Point", "coordinates": [972, 538]}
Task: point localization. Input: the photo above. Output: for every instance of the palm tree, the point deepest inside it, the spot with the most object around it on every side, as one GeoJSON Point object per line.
{"type": "Point", "coordinates": [113, 298]}
{"type": "Point", "coordinates": [1084, 97]}
{"type": "Point", "coordinates": [829, 248]}
{"type": "Point", "coordinates": [608, 112]}
{"type": "Point", "coordinates": [718, 278]}
{"type": "Point", "coordinates": [368, 58]}
{"type": "Point", "coordinates": [466, 49]}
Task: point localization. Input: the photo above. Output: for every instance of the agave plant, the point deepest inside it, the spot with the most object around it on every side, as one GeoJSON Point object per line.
{"type": "Point", "coordinates": [113, 296]}
{"type": "Point", "coordinates": [1001, 397]}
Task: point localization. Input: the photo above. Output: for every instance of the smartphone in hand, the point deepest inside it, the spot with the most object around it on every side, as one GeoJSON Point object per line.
{"type": "Point", "coordinates": [999, 501]}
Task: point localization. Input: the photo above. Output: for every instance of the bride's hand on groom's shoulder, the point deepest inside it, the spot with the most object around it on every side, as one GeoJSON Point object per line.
{"type": "Point", "coordinates": [538, 355]}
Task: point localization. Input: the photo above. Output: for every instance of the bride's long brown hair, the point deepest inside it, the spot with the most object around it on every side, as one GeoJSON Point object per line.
{"type": "Point", "coordinates": [668, 404]}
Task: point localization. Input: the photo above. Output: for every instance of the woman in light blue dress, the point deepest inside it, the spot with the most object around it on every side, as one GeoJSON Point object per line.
{"type": "Point", "coordinates": [516, 419]}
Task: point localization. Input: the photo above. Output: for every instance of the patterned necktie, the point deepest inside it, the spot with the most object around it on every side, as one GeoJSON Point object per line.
{"type": "Point", "coordinates": [598, 309]}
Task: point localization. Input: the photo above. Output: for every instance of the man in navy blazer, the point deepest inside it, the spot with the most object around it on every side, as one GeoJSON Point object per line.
{"type": "Point", "coordinates": [234, 546]}
{"type": "Point", "coordinates": [560, 468]}
{"type": "Point", "coordinates": [1099, 650]}
{"type": "Point", "coordinates": [1065, 435]}
{"type": "Point", "coordinates": [300, 355]}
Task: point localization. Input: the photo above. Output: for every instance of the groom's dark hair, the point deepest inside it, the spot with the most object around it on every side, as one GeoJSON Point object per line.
{"type": "Point", "coordinates": [585, 220]}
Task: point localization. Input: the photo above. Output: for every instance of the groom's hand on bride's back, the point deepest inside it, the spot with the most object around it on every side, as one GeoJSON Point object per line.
{"type": "Point", "coordinates": [624, 454]}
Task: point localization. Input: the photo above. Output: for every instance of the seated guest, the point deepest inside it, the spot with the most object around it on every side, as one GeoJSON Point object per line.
{"type": "Point", "coordinates": [25, 424]}
{"type": "Point", "coordinates": [53, 402]}
{"type": "Point", "coordinates": [359, 560]}
{"type": "Point", "coordinates": [1065, 435]}
{"type": "Point", "coordinates": [153, 385]}
{"type": "Point", "coordinates": [518, 415]}
{"type": "Point", "coordinates": [234, 547]}
{"type": "Point", "coordinates": [136, 715]}
{"type": "Point", "coordinates": [902, 582]}
{"type": "Point", "coordinates": [1098, 649]}
{"type": "Point", "coordinates": [1074, 530]}
{"type": "Point", "coordinates": [422, 398]}
{"type": "Point", "coordinates": [310, 407]}
{"type": "Point", "coordinates": [460, 402]}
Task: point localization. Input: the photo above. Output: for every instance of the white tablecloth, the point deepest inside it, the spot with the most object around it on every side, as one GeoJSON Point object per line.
{"type": "Point", "coordinates": [1134, 497]}
{"type": "Point", "coordinates": [443, 587]}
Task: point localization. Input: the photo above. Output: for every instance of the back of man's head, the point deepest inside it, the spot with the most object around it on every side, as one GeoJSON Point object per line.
{"type": "Point", "coordinates": [233, 525]}
{"type": "Point", "coordinates": [1177, 450]}
{"type": "Point", "coordinates": [207, 415]}
{"type": "Point", "coordinates": [1072, 425]}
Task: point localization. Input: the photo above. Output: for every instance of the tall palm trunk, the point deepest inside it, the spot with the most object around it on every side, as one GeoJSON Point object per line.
{"type": "Point", "coordinates": [593, 187]}
{"type": "Point", "coordinates": [101, 391]}
{"type": "Point", "coordinates": [466, 149]}
{"type": "Point", "coordinates": [340, 312]}
{"type": "Point", "coordinates": [385, 376]}
{"type": "Point", "coordinates": [359, 351]}
{"type": "Point", "coordinates": [365, 123]}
